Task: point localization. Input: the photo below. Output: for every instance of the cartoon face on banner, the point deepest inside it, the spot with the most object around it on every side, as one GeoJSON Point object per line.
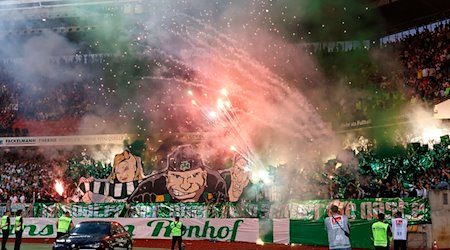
{"type": "Point", "coordinates": [126, 168]}
{"type": "Point", "coordinates": [240, 178]}
{"type": "Point", "coordinates": [186, 175]}
{"type": "Point", "coordinates": [185, 179]}
{"type": "Point", "coordinates": [186, 186]}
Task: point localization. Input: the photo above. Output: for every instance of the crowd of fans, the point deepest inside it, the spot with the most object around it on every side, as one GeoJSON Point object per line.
{"type": "Point", "coordinates": [26, 176]}
{"type": "Point", "coordinates": [366, 187]}
{"type": "Point", "coordinates": [8, 104]}
{"type": "Point", "coordinates": [426, 60]}
{"type": "Point", "coordinates": [349, 183]}
{"type": "Point", "coordinates": [425, 75]}
{"type": "Point", "coordinates": [87, 86]}
{"type": "Point", "coordinates": [412, 69]}
{"type": "Point", "coordinates": [433, 179]}
{"type": "Point", "coordinates": [44, 101]}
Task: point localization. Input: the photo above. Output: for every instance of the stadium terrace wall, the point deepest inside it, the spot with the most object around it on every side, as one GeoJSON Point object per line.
{"type": "Point", "coordinates": [306, 229]}
{"type": "Point", "coordinates": [440, 211]}
{"type": "Point", "coordinates": [281, 231]}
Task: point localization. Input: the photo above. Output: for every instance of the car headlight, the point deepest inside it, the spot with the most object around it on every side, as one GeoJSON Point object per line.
{"type": "Point", "coordinates": [94, 245]}
{"type": "Point", "coordinates": [58, 244]}
{"type": "Point", "coordinates": [60, 241]}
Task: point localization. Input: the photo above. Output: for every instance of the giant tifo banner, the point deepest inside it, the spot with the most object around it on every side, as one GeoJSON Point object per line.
{"type": "Point", "coordinates": [185, 178]}
{"type": "Point", "coordinates": [244, 230]}
{"type": "Point", "coordinates": [116, 139]}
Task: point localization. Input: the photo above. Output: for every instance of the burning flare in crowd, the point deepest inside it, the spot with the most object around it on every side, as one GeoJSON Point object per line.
{"type": "Point", "coordinates": [59, 187]}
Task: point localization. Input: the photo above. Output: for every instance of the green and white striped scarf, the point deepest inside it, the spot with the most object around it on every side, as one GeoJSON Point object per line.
{"type": "Point", "coordinates": [115, 190]}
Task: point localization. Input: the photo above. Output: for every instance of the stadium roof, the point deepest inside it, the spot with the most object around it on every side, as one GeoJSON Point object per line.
{"type": "Point", "coordinates": [381, 17]}
{"type": "Point", "coordinates": [29, 4]}
{"type": "Point", "coordinates": [404, 14]}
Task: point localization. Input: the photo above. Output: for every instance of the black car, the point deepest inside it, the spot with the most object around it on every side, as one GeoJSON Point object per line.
{"type": "Point", "coordinates": [95, 235]}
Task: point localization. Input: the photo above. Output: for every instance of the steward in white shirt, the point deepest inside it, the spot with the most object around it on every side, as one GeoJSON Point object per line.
{"type": "Point", "coordinates": [399, 231]}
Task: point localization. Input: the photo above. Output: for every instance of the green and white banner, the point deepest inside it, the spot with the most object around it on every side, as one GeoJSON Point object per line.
{"type": "Point", "coordinates": [281, 231]}
{"type": "Point", "coordinates": [303, 223]}
{"type": "Point", "coordinates": [416, 210]}
{"type": "Point", "coordinates": [244, 230]}
{"type": "Point", "coordinates": [170, 210]}
{"type": "Point", "coordinates": [138, 210]}
{"type": "Point", "coordinates": [93, 210]}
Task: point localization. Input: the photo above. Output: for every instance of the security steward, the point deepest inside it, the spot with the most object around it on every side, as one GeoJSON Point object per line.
{"type": "Point", "coordinates": [18, 229]}
{"type": "Point", "coordinates": [381, 232]}
{"type": "Point", "coordinates": [64, 224]}
{"type": "Point", "coordinates": [6, 222]}
{"type": "Point", "coordinates": [176, 231]}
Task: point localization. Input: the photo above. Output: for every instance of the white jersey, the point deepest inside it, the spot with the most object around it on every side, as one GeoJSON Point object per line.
{"type": "Point", "coordinates": [399, 228]}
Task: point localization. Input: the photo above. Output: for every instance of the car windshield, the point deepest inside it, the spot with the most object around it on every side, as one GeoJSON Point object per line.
{"type": "Point", "coordinates": [91, 228]}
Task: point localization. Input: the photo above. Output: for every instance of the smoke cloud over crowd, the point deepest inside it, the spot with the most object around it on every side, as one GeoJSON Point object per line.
{"type": "Point", "coordinates": [236, 73]}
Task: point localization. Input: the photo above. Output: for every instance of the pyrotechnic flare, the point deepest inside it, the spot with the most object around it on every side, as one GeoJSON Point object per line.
{"type": "Point", "coordinates": [212, 114]}
{"type": "Point", "coordinates": [59, 187]}
{"type": "Point", "coordinates": [224, 92]}
{"type": "Point", "coordinates": [219, 103]}
{"type": "Point", "coordinates": [260, 242]}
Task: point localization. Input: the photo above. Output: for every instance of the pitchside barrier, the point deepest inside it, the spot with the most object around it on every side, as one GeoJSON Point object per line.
{"type": "Point", "coordinates": [303, 224]}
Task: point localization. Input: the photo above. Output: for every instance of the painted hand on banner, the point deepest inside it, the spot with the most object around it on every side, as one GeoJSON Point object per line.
{"type": "Point", "coordinates": [80, 196]}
